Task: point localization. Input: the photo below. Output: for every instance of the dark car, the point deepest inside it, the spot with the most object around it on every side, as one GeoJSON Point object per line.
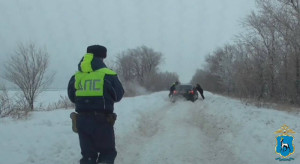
{"type": "Point", "coordinates": [186, 91]}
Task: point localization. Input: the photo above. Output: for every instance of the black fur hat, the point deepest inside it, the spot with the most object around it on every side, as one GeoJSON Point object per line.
{"type": "Point", "coordinates": [97, 50]}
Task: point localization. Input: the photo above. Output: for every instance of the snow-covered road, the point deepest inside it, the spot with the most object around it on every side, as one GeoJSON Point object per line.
{"type": "Point", "coordinates": [152, 130]}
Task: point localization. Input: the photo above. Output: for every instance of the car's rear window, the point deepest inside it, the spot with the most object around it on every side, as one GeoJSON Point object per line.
{"type": "Point", "coordinates": [184, 87]}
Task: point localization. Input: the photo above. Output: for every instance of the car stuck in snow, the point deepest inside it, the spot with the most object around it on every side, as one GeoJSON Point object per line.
{"type": "Point", "coordinates": [184, 91]}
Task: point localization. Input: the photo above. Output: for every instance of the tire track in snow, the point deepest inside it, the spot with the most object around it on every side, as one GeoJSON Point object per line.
{"type": "Point", "coordinates": [148, 124]}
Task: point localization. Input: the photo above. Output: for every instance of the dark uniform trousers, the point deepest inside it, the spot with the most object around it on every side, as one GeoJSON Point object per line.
{"type": "Point", "coordinates": [97, 139]}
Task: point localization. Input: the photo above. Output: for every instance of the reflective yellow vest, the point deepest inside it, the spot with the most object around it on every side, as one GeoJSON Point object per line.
{"type": "Point", "coordinates": [91, 83]}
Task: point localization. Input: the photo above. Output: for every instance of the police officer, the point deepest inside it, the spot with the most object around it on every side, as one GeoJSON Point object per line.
{"type": "Point", "coordinates": [94, 89]}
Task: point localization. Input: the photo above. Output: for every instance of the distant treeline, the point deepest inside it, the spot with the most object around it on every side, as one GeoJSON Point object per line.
{"type": "Point", "coordinates": [264, 62]}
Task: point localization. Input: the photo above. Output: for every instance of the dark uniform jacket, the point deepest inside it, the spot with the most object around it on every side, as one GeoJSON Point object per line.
{"type": "Point", "coordinates": [113, 92]}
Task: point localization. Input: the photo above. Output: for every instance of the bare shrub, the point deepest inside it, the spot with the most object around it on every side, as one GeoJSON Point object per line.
{"type": "Point", "coordinates": [5, 104]}
{"type": "Point", "coordinates": [64, 103]}
{"type": "Point", "coordinates": [27, 70]}
{"type": "Point", "coordinates": [14, 106]}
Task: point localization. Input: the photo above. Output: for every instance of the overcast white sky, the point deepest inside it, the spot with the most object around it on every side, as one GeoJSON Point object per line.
{"type": "Point", "coordinates": [184, 31]}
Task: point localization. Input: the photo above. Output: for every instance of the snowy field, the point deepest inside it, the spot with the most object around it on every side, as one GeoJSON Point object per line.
{"type": "Point", "coordinates": [151, 130]}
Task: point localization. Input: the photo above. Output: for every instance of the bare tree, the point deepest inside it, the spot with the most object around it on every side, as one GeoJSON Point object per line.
{"type": "Point", "coordinates": [125, 67]}
{"type": "Point", "coordinates": [138, 63]}
{"type": "Point", "coordinates": [139, 68]}
{"type": "Point", "coordinates": [27, 69]}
